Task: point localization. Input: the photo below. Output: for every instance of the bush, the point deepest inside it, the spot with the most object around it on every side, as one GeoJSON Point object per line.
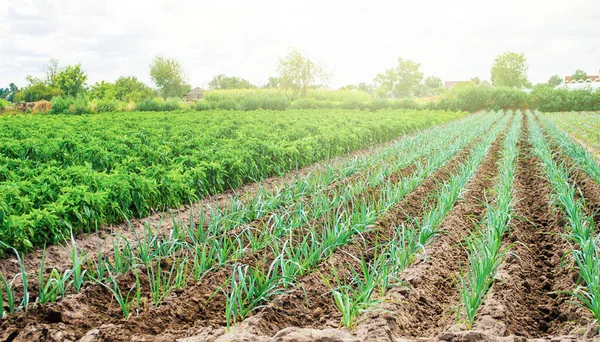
{"type": "Point", "coordinates": [202, 105]}
{"type": "Point", "coordinates": [150, 105]}
{"type": "Point", "coordinates": [60, 105]}
{"type": "Point", "coordinates": [3, 104]}
{"type": "Point", "coordinates": [107, 106]}
{"type": "Point", "coordinates": [42, 107]}
{"type": "Point", "coordinates": [171, 104]}
{"type": "Point", "coordinates": [80, 105]}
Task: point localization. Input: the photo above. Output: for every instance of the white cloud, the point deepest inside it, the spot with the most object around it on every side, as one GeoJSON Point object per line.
{"type": "Point", "coordinates": [354, 39]}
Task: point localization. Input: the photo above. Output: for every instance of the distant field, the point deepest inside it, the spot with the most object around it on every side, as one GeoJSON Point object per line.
{"type": "Point", "coordinates": [79, 172]}
{"type": "Point", "coordinates": [584, 126]}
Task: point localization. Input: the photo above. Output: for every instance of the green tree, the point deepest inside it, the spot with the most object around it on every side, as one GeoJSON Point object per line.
{"type": "Point", "coordinates": [476, 80]}
{"type": "Point", "coordinates": [400, 80]}
{"type": "Point", "coordinates": [51, 69]}
{"type": "Point", "coordinates": [36, 90]}
{"type": "Point", "coordinates": [510, 70]}
{"type": "Point", "coordinates": [433, 82]}
{"type": "Point", "coordinates": [70, 80]}
{"type": "Point", "coordinates": [579, 75]}
{"type": "Point", "coordinates": [129, 88]}
{"type": "Point", "coordinates": [226, 82]}
{"type": "Point", "coordinates": [555, 80]}
{"type": "Point", "coordinates": [169, 77]}
{"type": "Point", "coordinates": [273, 82]}
{"type": "Point", "coordinates": [298, 73]}
{"type": "Point", "coordinates": [103, 90]}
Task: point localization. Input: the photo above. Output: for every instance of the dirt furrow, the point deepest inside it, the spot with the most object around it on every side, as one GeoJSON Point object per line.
{"type": "Point", "coordinates": [427, 304]}
{"type": "Point", "coordinates": [525, 299]}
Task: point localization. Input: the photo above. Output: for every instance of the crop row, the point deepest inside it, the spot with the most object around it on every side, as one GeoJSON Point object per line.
{"type": "Point", "coordinates": [59, 174]}
{"type": "Point", "coordinates": [193, 250]}
{"type": "Point", "coordinates": [484, 246]}
{"type": "Point", "coordinates": [581, 228]}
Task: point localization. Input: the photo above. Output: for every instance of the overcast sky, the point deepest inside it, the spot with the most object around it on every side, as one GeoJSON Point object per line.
{"type": "Point", "coordinates": [353, 40]}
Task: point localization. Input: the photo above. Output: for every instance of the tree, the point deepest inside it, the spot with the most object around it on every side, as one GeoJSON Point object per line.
{"type": "Point", "coordinates": [401, 79]}
{"type": "Point", "coordinates": [70, 80]}
{"type": "Point", "coordinates": [510, 70]}
{"type": "Point", "coordinates": [103, 90]}
{"type": "Point", "coordinates": [476, 80]}
{"type": "Point", "coordinates": [433, 82]}
{"type": "Point", "coordinates": [168, 75]}
{"type": "Point", "coordinates": [579, 75]}
{"type": "Point", "coordinates": [52, 69]}
{"type": "Point", "coordinates": [272, 83]}
{"type": "Point", "coordinates": [36, 90]}
{"type": "Point", "coordinates": [555, 80]}
{"type": "Point", "coordinates": [298, 73]}
{"type": "Point", "coordinates": [225, 82]}
{"type": "Point", "coordinates": [129, 88]}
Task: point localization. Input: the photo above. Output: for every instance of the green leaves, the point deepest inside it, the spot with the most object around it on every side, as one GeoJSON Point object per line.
{"type": "Point", "coordinates": [83, 172]}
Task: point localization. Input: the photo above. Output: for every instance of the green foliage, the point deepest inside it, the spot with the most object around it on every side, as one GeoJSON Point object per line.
{"type": "Point", "coordinates": [60, 105]}
{"type": "Point", "coordinates": [36, 90]}
{"type": "Point", "coordinates": [94, 170]}
{"type": "Point", "coordinates": [510, 70]}
{"type": "Point", "coordinates": [579, 75]}
{"type": "Point", "coordinates": [169, 77]}
{"type": "Point", "coordinates": [129, 88]}
{"type": "Point", "coordinates": [563, 100]}
{"type": "Point", "coordinates": [70, 80]}
{"type": "Point", "coordinates": [107, 106]}
{"type": "Point", "coordinates": [224, 82]}
{"type": "Point", "coordinates": [555, 80]}
{"type": "Point", "coordinates": [273, 82]}
{"type": "Point", "coordinates": [400, 80]}
{"type": "Point", "coordinates": [433, 82]}
{"type": "Point", "coordinates": [298, 73]}
{"type": "Point", "coordinates": [103, 90]}
{"type": "Point", "coordinates": [3, 104]}
{"type": "Point", "coordinates": [157, 104]}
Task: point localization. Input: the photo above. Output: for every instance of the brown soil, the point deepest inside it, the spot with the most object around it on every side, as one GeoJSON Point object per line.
{"type": "Point", "coordinates": [310, 305]}
{"type": "Point", "coordinates": [524, 299]}
{"type": "Point", "coordinates": [95, 312]}
{"type": "Point", "coordinates": [58, 256]}
{"type": "Point", "coordinates": [428, 304]}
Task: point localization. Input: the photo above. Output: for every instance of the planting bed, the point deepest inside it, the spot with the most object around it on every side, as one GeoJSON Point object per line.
{"type": "Point", "coordinates": [479, 229]}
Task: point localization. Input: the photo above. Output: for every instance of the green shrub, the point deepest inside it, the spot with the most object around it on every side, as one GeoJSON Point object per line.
{"type": "Point", "coordinates": [202, 105]}
{"type": "Point", "coordinates": [171, 104]}
{"type": "Point", "coordinates": [60, 105]}
{"type": "Point", "coordinates": [80, 105]}
{"type": "Point", "coordinates": [3, 104]}
{"type": "Point", "coordinates": [107, 106]}
{"type": "Point", "coordinates": [149, 105]}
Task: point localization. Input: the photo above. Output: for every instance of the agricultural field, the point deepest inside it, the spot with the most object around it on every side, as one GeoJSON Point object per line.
{"type": "Point", "coordinates": [65, 175]}
{"type": "Point", "coordinates": [582, 126]}
{"type": "Point", "coordinates": [387, 226]}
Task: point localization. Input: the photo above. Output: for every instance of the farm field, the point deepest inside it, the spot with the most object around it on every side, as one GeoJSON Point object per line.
{"type": "Point", "coordinates": [482, 227]}
{"type": "Point", "coordinates": [63, 175]}
{"type": "Point", "coordinates": [583, 126]}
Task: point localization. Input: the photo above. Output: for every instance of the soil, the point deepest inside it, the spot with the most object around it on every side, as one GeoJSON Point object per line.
{"type": "Point", "coordinates": [525, 300]}
{"type": "Point", "coordinates": [93, 310]}
{"type": "Point", "coordinates": [58, 256]}
{"type": "Point", "coordinates": [523, 304]}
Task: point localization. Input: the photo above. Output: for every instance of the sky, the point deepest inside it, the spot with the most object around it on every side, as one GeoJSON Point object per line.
{"type": "Point", "coordinates": [353, 40]}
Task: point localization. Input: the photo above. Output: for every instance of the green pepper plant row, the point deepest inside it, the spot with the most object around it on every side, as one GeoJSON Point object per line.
{"type": "Point", "coordinates": [204, 245]}
{"type": "Point", "coordinates": [62, 174]}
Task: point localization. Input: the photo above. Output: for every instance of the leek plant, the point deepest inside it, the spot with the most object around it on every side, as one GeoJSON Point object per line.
{"type": "Point", "coordinates": [584, 242]}
{"type": "Point", "coordinates": [484, 246]}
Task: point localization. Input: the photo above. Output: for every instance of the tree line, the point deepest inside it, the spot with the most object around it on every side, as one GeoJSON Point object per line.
{"type": "Point", "coordinates": [296, 72]}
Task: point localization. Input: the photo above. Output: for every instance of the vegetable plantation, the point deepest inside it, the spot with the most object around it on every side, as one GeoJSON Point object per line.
{"type": "Point", "coordinates": [63, 175]}
{"type": "Point", "coordinates": [412, 225]}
